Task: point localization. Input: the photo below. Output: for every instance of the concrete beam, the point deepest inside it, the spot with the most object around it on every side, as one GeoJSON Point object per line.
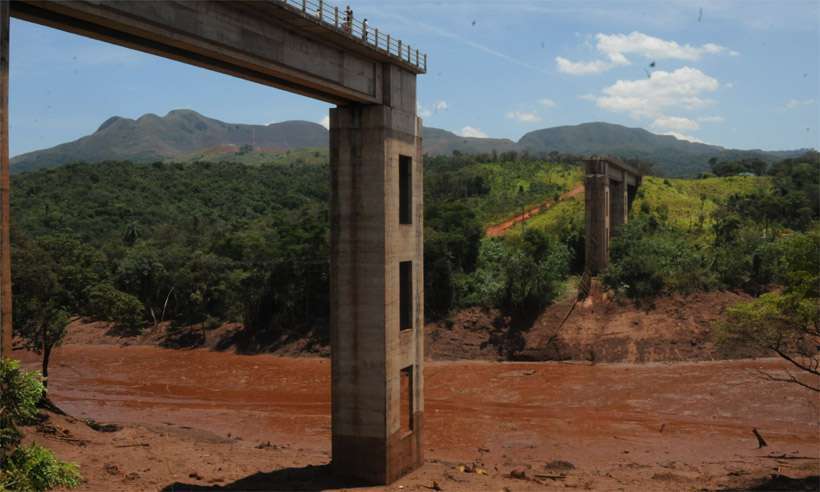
{"type": "Point", "coordinates": [5, 236]}
{"type": "Point", "coordinates": [259, 41]}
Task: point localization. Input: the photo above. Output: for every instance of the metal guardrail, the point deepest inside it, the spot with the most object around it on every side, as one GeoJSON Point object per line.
{"type": "Point", "coordinates": [335, 18]}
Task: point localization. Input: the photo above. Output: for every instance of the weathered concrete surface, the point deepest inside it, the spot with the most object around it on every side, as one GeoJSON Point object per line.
{"type": "Point", "coordinates": [368, 243]}
{"type": "Point", "coordinates": [373, 126]}
{"type": "Point", "coordinates": [264, 42]}
{"type": "Point", "coordinates": [610, 187]}
{"type": "Point", "coordinates": [5, 240]}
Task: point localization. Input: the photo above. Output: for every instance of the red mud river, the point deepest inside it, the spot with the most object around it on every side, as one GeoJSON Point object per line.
{"type": "Point", "coordinates": [202, 418]}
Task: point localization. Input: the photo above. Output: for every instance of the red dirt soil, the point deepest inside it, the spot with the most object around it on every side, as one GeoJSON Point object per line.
{"type": "Point", "coordinates": [197, 419]}
{"type": "Point", "coordinates": [600, 329]}
{"type": "Point", "coordinates": [502, 228]}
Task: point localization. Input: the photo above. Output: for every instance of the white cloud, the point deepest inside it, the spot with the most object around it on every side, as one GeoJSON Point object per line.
{"type": "Point", "coordinates": [616, 47]}
{"type": "Point", "coordinates": [711, 119]}
{"type": "Point", "coordinates": [426, 112]}
{"type": "Point", "coordinates": [469, 131]}
{"type": "Point", "coordinates": [683, 88]}
{"type": "Point", "coordinates": [729, 85]}
{"type": "Point", "coordinates": [681, 136]}
{"type": "Point", "coordinates": [675, 123]}
{"type": "Point", "coordinates": [547, 102]}
{"type": "Point", "coordinates": [796, 103]}
{"type": "Point", "coordinates": [524, 116]}
{"type": "Point", "coordinates": [581, 68]}
{"type": "Point", "coordinates": [325, 122]}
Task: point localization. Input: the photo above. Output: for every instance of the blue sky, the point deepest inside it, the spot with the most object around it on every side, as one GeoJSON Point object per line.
{"type": "Point", "coordinates": [737, 74]}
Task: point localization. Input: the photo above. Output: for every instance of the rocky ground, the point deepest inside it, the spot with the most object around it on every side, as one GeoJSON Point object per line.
{"type": "Point", "coordinates": [206, 420]}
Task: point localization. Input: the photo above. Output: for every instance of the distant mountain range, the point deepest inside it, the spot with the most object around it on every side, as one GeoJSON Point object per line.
{"type": "Point", "coordinates": [185, 135]}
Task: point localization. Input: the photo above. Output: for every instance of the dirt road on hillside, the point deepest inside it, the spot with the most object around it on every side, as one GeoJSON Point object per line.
{"type": "Point", "coordinates": [203, 420]}
{"type": "Point", "coordinates": [502, 228]}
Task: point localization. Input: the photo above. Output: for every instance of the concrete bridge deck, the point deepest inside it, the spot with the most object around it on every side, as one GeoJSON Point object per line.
{"type": "Point", "coordinates": [377, 285]}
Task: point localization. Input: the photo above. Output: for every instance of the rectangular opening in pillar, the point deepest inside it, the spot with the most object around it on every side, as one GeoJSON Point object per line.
{"type": "Point", "coordinates": [405, 189]}
{"type": "Point", "coordinates": [406, 295]}
{"type": "Point", "coordinates": [406, 408]}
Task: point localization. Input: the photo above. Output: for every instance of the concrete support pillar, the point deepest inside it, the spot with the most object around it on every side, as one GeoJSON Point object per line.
{"type": "Point", "coordinates": [5, 237]}
{"type": "Point", "coordinates": [597, 200]}
{"type": "Point", "coordinates": [618, 203]}
{"type": "Point", "coordinates": [377, 292]}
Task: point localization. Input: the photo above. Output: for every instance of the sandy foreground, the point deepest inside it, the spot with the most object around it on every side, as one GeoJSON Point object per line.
{"type": "Point", "coordinates": [204, 420]}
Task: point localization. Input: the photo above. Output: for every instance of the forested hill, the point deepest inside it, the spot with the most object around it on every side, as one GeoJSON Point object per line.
{"type": "Point", "coordinates": [205, 243]}
{"type": "Point", "coordinates": [181, 135]}
{"type": "Point", "coordinates": [187, 136]}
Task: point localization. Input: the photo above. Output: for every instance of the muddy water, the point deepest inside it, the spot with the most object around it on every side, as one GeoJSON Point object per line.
{"type": "Point", "coordinates": [700, 414]}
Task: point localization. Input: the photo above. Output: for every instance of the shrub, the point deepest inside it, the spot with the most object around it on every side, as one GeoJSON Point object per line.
{"type": "Point", "coordinates": [648, 258]}
{"type": "Point", "coordinates": [110, 304]}
{"type": "Point", "coordinates": [26, 468]}
{"type": "Point", "coordinates": [516, 274]}
{"type": "Point", "coordinates": [35, 468]}
{"type": "Point", "coordinates": [786, 322]}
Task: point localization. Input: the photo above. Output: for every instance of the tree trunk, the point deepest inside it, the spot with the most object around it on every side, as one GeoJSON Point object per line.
{"type": "Point", "coordinates": [46, 357]}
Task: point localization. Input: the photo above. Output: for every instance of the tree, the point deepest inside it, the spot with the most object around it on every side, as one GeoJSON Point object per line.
{"type": "Point", "coordinates": [110, 304]}
{"type": "Point", "coordinates": [786, 322]}
{"type": "Point", "coordinates": [26, 468]}
{"type": "Point", "coordinates": [40, 301]}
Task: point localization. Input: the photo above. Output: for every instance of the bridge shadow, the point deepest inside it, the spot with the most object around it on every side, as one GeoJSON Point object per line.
{"type": "Point", "coordinates": [308, 478]}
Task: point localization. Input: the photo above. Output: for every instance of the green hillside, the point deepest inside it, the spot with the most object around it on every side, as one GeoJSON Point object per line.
{"type": "Point", "coordinates": [187, 136]}
{"type": "Point", "coordinates": [181, 135]}
{"type": "Point", "coordinates": [684, 200]}
{"type": "Point", "coordinates": [212, 242]}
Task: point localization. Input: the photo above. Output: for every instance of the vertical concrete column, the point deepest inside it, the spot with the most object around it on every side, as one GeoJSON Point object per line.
{"type": "Point", "coordinates": [377, 288]}
{"type": "Point", "coordinates": [597, 204]}
{"type": "Point", "coordinates": [619, 206]}
{"type": "Point", "coordinates": [5, 237]}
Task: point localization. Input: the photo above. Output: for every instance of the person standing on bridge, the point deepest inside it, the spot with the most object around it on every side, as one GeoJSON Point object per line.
{"type": "Point", "coordinates": [364, 30]}
{"type": "Point", "coordinates": [348, 19]}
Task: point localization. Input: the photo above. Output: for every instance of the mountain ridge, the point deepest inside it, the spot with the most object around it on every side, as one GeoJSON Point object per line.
{"type": "Point", "coordinates": [184, 134]}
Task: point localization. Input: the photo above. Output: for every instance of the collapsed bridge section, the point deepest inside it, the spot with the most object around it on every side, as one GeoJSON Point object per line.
{"type": "Point", "coordinates": [611, 186]}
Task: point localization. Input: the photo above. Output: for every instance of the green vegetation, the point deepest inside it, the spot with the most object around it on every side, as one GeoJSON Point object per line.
{"type": "Point", "coordinates": [29, 468]}
{"type": "Point", "coordinates": [204, 243]}
{"type": "Point", "coordinates": [496, 189]}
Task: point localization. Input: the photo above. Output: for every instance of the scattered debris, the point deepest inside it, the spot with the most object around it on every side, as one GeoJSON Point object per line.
{"type": "Point", "coordinates": [761, 443]}
{"type": "Point", "coordinates": [137, 445]}
{"type": "Point", "coordinates": [102, 427]}
{"type": "Point", "coordinates": [111, 469]}
{"type": "Point", "coordinates": [559, 465]}
{"type": "Point", "coordinates": [435, 486]}
{"type": "Point", "coordinates": [540, 478]}
{"type": "Point", "coordinates": [195, 476]}
{"type": "Point", "coordinates": [519, 473]}
{"type": "Point", "coordinates": [472, 468]}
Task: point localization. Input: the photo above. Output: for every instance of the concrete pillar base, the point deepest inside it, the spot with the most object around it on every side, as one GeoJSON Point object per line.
{"type": "Point", "coordinates": [376, 292]}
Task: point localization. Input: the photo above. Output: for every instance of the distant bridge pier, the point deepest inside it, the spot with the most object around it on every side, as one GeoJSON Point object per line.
{"type": "Point", "coordinates": [610, 187]}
